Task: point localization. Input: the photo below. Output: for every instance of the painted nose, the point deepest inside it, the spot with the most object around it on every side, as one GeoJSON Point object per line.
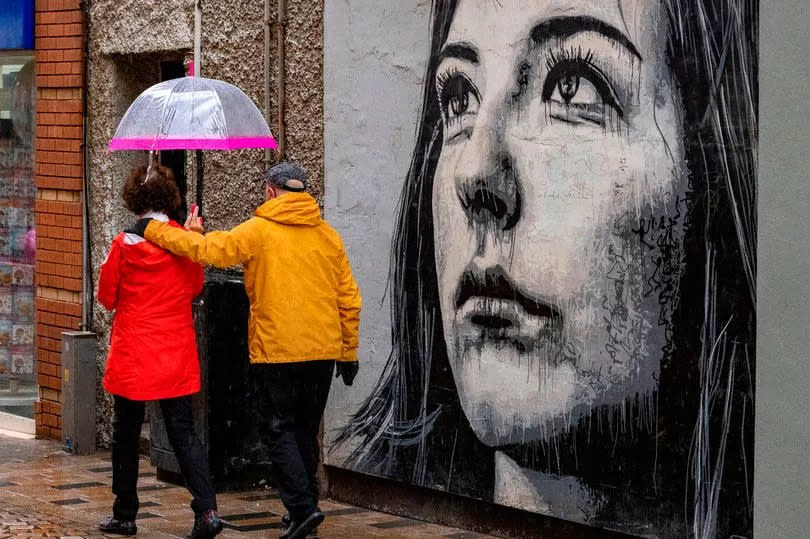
{"type": "Point", "coordinates": [492, 197]}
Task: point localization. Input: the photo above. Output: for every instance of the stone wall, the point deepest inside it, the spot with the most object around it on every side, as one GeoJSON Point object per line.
{"type": "Point", "coordinates": [128, 40]}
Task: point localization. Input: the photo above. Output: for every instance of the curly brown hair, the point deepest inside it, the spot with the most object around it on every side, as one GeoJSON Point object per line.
{"type": "Point", "coordinates": [158, 192]}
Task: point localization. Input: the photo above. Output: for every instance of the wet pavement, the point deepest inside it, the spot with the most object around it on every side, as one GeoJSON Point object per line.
{"type": "Point", "coordinates": [45, 492]}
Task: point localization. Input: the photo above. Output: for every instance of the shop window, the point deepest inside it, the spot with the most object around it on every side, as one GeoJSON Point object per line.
{"type": "Point", "coordinates": [17, 233]}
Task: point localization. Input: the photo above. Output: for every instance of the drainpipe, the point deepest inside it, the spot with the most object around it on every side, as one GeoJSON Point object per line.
{"type": "Point", "coordinates": [267, 153]}
{"type": "Point", "coordinates": [87, 261]}
{"type": "Point", "coordinates": [281, 34]}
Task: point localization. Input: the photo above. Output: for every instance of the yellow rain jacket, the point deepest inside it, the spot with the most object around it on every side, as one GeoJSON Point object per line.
{"type": "Point", "coordinates": [304, 301]}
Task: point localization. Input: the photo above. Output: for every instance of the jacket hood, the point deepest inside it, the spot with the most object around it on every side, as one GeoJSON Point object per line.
{"type": "Point", "coordinates": [143, 254]}
{"type": "Point", "coordinates": [294, 209]}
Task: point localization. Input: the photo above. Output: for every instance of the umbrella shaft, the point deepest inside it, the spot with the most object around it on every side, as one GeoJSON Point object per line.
{"type": "Point", "coordinates": [198, 155]}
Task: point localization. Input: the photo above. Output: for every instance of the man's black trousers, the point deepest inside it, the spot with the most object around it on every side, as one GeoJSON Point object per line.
{"type": "Point", "coordinates": [292, 398]}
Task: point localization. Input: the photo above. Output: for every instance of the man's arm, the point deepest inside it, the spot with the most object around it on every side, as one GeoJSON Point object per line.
{"type": "Point", "coordinates": [220, 249]}
{"type": "Point", "coordinates": [349, 303]}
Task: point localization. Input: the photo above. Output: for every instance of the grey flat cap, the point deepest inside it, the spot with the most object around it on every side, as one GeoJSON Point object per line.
{"type": "Point", "coordinates": [285, 174]}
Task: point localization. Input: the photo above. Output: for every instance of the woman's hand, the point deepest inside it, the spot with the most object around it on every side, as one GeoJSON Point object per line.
{"type": "Point", "coordinates": [194, 222]}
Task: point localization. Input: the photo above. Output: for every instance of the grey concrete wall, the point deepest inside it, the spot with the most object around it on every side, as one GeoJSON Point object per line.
{"type": "Point", "coordinates": [782, 481]}
{"type": "Point", "coordinates": [128, 40]}
{"type": "Point", "coordinates": [373, 86]}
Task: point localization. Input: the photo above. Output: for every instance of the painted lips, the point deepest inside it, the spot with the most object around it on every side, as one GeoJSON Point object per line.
{"type": "Point", "coordinates": [491, 304]}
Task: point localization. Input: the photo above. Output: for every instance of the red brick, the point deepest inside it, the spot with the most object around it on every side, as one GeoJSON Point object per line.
{"type": "Point", "coordinates": [73, 42]}
{"type": "Point", "coordinates": [49, 56]}
{"type": "Point", "coordinates": [68, 93]}
{"type": "Point", "coordinates": [58, 81]}
{"type": "Point", "coordinates": [59, 118]}
{"type": "Point", "coordinates": [62, 220]}
{"type": "Point", "coordinates": [46, 219]}
{"type": "Point", "coordinates": [46, 68]}
{"type": "Point", "coordinates": [67, 4]}
{"type": "Point", "coordinates": [74, 285]}
{"type": "Point", "coordinates": [47, 43]}
{"type": "Point", "coordinates": [43, 432]}
{"type": "Point", "coordinates": [59, 145]}
{"type": "Point", "coordinates": [59, 17]}
{"type": "Point", "coordinates": [49, 419]}
{"type": "Point", "coordinates": [67, 158]}
{"type": "Point", "coordinates": [47, 368]}
{"type": "Point", "coordinates": [72, 30]}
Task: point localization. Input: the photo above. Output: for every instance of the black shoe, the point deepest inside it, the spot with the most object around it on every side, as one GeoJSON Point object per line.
{"type": "Point", "coordinates": [297, 530]}
{"type": "Point", "coordinates": [206, 525]}
{"type": "Point", "coordinates": [118, 527]}
{"type": "Point", "coordinates": [286, 520]}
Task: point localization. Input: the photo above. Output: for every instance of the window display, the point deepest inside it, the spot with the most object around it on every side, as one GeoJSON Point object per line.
{"type": "Point", "coordinates": [17, 233]}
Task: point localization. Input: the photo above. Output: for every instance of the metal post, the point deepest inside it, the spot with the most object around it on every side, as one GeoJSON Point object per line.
{"type": "Point", "coordinates": [197, 37]}
{"type": "Point", "coordinates": [198, 73]}
{"type": "Point", "coordinates": [198, 155]}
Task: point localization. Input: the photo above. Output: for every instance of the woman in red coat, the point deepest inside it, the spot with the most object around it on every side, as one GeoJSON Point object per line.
{"type": "Point", "coordinates": [153, 353]}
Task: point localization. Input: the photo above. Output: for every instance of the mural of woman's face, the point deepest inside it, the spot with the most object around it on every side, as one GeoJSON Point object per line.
{"type": "Point", "coordinates": [558, 208]}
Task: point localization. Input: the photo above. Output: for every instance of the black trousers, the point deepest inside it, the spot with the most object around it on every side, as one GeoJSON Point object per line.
{"type": "Point", "coordinates": [292, 398]}
{"type": "Point", "coordinates": [193, 460]}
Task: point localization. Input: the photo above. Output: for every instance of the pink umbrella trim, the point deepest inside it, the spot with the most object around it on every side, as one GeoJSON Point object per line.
{"type": "Point", "coordinates": [230, 143]}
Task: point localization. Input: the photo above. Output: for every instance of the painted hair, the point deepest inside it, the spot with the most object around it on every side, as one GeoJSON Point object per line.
{"type": "Point", "coordinates": [698, 452]}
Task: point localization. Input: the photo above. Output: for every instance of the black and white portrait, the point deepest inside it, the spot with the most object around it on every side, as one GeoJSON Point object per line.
{"type": "Point", "coordinates": [572, 266]}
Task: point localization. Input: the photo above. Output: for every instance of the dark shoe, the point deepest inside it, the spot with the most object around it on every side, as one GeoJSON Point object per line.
{"type": "Point", "coordinates": [118, 527]}
{"type": "Point", "coordinates": [206, 525]}
{"type": "Point", "coordinates": [285, 523]}
{"type": "Point", "coordinates": [298, 530]}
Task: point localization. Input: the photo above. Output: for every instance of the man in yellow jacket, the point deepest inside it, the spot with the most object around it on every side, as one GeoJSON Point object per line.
{"type": "Point", "coordinates": [304, 318]}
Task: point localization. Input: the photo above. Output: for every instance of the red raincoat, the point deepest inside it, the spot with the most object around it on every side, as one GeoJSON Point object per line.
{"type": "Point", "coordinates": [153, 350]}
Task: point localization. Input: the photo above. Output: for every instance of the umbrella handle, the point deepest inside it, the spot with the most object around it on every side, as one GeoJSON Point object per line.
{"type": "Point", "coordinates": [148, 166]}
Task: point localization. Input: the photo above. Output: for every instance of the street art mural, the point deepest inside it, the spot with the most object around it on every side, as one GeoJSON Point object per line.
{"type": "Point", "coordinates": [572, 267]}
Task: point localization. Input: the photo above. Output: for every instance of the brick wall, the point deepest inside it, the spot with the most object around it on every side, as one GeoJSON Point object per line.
{"type": "Point", "coordinates": [59, 79]}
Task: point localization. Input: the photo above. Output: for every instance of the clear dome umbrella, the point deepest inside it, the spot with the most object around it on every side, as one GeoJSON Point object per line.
{"type": "Point", "coordinates": [192, 113]}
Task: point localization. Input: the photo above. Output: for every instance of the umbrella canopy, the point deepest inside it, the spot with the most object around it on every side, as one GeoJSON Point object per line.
{"type": "Point", "coordinates": [192, 113]}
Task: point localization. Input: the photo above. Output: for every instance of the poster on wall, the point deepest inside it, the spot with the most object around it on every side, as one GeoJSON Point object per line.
{"type": "Point", "coordinates": [565, 193]}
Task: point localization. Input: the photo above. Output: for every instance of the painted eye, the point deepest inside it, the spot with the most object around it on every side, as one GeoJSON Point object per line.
{"type": "Point", "coordinates": [576, 90]}
{"type": "Point", "coordinates": [458, 104]}
{"type": "Point", "coordinates": [577, 83]}
{"type": "Point", "coordinates": [457, 97]}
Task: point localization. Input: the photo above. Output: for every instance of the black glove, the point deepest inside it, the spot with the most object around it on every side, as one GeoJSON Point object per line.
{"type": "Point", "coordinates": [348, 370]}
{"type": "Point", "coordinates": [139, 227]}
